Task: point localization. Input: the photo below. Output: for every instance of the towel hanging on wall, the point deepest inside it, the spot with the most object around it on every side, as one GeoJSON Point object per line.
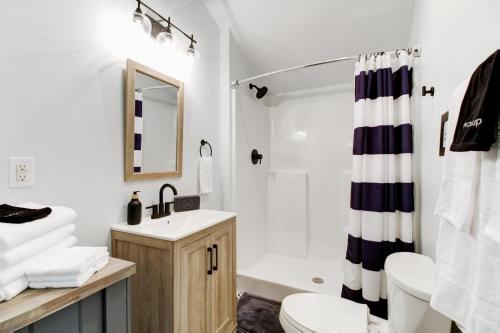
{"type": "Point", "coordinates": [206, 175]}
{"type": "Point", "coordinates": [477, 122]}
{"type": "Point", "coordinates": [466, 282]}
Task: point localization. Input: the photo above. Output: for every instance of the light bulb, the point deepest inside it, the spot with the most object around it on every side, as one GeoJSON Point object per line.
{"type": "Point", "coordinates": [138, 16]}
{"type": "Point", "coordinates": [193, 58]}
{"type": "Point", "coordinates": [164, 36]}
{"type": "Point", "coordinates": [191, 51]}
{"type": "Point", "coordinates": [142, 21]}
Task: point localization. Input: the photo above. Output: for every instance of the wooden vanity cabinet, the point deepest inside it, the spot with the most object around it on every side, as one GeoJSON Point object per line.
{"type": "Point", "coordinates": [188, 285]}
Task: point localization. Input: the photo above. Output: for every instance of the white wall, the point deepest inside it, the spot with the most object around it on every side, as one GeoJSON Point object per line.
{"type": "Point", "coordinates": [252, 130]}
{"type": "Point", "coordinates": [456, 36]}
{"type": "Point", "coordinates": [312, 132]}
{"type": "Point", "coordinates": [62, 84]}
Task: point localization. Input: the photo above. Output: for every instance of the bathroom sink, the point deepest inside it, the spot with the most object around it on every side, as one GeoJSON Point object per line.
{"type": "Point", "coordinates": [177, 225]}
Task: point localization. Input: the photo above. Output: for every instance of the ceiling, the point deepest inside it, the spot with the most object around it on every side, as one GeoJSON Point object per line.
{"type": "Point", "coordinates": [276, 34]}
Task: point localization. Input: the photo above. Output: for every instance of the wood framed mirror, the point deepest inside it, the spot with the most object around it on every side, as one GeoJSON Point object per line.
{"type": "Point", "coordinates": [154, 116]}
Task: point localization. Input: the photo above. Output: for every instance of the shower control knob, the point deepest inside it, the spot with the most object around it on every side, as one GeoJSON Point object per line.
{"type": "Point", "coordinates": [256, 157]}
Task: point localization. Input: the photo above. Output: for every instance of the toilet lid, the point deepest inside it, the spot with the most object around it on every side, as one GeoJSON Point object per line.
{"type": "Point", "coordinates": [325, 313]}
{"type": "Point", "coordinates": [414, 273]}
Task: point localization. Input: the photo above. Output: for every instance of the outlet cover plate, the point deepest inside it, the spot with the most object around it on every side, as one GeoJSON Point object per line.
{"type": "Point", "coordinates": [21, 172]}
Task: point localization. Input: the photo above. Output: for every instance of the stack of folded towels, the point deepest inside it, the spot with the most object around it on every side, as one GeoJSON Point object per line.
{"type": "Point", "coordinates": [25, 244]}
{"type": "Point", "coordinates": [41, 253]}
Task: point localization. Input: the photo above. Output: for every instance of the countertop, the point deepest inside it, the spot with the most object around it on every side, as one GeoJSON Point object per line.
{"type": "Point", "coordinates": [34, 304]}
{"type": "Point", "coordinates": [176, 226]}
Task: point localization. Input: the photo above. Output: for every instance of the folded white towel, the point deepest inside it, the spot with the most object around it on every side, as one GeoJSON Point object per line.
{"type": "Point", "coordinates": [457, 197]}
{"type": "Point", "coordinates": [13, 289]}
{"type": "Point", "coordinates": [33, 247]}
{"type": "Point", "coordinates": [72, 281]}
{"type": "Point", "coordinates": [98, 264]}
{"type": "Point", "coordinates": [72, 261]}
{"type": "Point", "coordinates": [15, 272]}
{"type": "Point", "coordinates": [206, 174]}
{"type": "Point", "coordinates": [12, 235]}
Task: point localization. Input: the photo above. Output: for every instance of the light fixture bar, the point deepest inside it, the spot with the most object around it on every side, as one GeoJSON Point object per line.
{"type": "Point", "coordinates": [163, 19]}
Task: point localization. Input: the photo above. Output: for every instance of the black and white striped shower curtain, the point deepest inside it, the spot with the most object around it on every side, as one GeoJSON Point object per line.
{"type": "Point", "coordinates": [382, 198]}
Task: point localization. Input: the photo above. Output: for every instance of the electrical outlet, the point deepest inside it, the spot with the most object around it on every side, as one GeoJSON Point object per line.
{"type": "Point", "coordinates": [21, 172]}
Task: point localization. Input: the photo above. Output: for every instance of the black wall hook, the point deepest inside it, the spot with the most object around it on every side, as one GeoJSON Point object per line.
{"type": "Point", "coordinates": [426, 91]}
{"type": "Point", "coordinates": [204, 142]}
{"type": "Point", "coordinates": [256, 157]}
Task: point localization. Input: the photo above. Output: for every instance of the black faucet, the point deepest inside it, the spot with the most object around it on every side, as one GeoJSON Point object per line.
{"type": "Point", "coordinates": [163, 208]}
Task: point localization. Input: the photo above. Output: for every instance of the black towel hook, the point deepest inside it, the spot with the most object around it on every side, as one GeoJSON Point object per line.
{"type": "Point", "coordinates": [426, 91]}
{"type": "Point", "coordinates": [204, 142]}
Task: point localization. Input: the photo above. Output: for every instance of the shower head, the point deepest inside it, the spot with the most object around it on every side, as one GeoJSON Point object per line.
{"type": "Point", "coordinates": [261, 92]}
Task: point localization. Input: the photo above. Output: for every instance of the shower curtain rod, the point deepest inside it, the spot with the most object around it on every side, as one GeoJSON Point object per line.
{"type": "Point", "coordinates": [415, 50]}
{"type": "Point", "coordinates": [151, 88]}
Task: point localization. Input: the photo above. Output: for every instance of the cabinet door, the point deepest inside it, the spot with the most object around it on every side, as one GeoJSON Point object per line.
{"type": "Point", "coordinates": [224, 288]}
{"type": "Point", "coordinates": [196, 287]}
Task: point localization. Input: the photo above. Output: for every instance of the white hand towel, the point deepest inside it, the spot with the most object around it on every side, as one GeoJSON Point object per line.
{"type": "Point", "coordinates": [74, 281]}
{"type": "Point", "coordinates": [33, 247]}
{"type": "Point", "coordinates": [13, 289]}
{"type": "Point", "coordinates": [457, 197]}
{"type": "Point", "coordinates": [206, 174]}
{"type": "Point", "coordinates": [74, 260]}
{"type": "Point", "coordinates": [12, 235]}
{"type": "Point", "coordinates": [15, 272]}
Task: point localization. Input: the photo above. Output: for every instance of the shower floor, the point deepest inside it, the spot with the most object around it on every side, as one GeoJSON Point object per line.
{"type": "Point", "coordinates": [293, 273]}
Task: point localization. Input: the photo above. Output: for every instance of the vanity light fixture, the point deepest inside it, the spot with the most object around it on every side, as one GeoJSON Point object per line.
{"type": "Point", "coordinates": [157, 28]}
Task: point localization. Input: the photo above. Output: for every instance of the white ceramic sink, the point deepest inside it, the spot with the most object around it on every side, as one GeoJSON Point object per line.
{"type": "Point", "coordinates": [177, 225]}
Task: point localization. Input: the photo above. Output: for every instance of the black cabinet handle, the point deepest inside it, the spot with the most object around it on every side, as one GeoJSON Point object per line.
{"type": "Point", "coordinates": [216, 248]}
{"type": "Point", "coordinates": [211, 261]}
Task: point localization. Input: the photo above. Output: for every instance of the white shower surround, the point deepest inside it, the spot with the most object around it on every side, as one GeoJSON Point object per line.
{"type": "Point", "coordinates": [292, 209]}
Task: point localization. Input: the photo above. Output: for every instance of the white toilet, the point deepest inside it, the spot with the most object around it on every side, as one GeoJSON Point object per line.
{"type": "Point", "coordinates": [410, 280]}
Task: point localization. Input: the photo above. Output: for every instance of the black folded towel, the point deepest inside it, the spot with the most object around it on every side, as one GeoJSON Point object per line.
{"type": "Point", "coordinates": [18, 215]}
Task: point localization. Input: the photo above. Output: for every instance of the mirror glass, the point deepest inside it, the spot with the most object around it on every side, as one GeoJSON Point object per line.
{"type": "Point", "coordinates": [154, 124]}
{"type": "Point", "coordinates": [159, 124]}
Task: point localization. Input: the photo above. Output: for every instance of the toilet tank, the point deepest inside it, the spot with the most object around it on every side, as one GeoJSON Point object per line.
{"type": "Point", "coordinates": [410, 281]}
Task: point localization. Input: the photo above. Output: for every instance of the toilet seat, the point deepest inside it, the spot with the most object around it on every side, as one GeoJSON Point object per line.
{"type": "Point", "coordinates": [318, 313]}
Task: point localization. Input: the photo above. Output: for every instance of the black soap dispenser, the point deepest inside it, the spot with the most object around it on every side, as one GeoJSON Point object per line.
{"type": "Point", "coordinates": [134, 210]}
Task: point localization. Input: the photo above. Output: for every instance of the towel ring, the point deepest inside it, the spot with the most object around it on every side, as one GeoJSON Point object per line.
{"type": "Point", "coordinates": [204, 142]}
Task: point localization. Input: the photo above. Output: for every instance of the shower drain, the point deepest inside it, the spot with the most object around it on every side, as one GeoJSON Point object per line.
{"type": "Point", "coordinates": [318, 280]}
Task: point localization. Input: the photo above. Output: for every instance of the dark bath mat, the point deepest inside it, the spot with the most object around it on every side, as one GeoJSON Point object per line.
{"type": "Point", "coordinates": [258, 315]}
